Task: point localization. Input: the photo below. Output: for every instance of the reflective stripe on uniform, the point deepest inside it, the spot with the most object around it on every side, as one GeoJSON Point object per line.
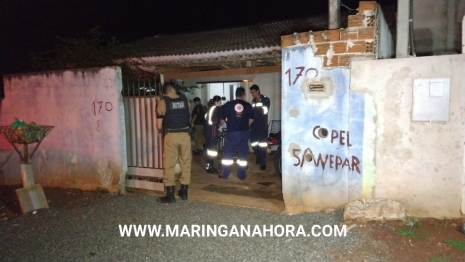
{"type": "Point", "coordinates": [227, 162]}
{"type": "Point", "coordinates": [211, 152]}
{"type": "Point", "coordinates": [210, 115]}
{"type": "Point", "coordinates": [242, 162]}
{"type": "Point", "coordinates": [263, 144]}
{"type": "Point", "coordinates": [254, 143]}
{"type": "Point", "coordinates": [260, 104]}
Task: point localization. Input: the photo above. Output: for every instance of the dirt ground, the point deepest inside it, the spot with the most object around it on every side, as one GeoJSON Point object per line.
{"type": "Point", "coordinates": [56, 197]}
{"type": "Point", "coordinates": [414, 240]}
{"type": "Point", "coordinates": [429, 240]}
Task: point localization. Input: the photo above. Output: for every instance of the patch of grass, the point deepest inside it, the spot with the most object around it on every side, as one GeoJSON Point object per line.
{"type": "Point", "coordinates": [439, 259]}
{"type": "Point", "coordinates": [413, 232]}
{"type": "Point", "coordinates": [457, 244]}
{"type": "Point", "coordinates": [408, 232]}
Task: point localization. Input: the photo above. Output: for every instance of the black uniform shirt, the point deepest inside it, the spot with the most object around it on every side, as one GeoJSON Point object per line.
{"type": "Point", "coordinates": [237, 113]}
{"type": "Point", "coordinates": [261, 108]}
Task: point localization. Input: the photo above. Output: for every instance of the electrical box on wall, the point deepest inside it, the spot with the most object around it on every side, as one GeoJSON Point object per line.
{"type": "Point", "coordinates": [431, 99]}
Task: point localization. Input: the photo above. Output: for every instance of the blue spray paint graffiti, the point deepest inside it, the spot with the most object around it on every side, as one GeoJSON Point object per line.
{"type": "Point", "coordinates": [356, 127]}
{"type": "Point", "coordinates": [322, 132]}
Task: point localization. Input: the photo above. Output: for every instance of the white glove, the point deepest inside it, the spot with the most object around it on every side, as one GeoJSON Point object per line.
{"type": "Point", "coordinates": [222, 127]}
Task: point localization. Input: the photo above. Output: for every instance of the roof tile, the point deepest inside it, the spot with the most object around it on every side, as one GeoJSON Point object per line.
{"type": "Point", "coordinates": [232, 39]}
{"type": "Point", "coordinates": [239, 38]}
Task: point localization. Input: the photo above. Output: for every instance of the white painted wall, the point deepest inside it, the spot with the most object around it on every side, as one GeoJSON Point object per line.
{"type": "Point", "coordinates": [420, 164]}
{"type": "Point", "coordinates": [222, 90]}
{"type": "Point", "coordinates": [270, 85]}
{"type": "Point", "coordinates": [86, 149]}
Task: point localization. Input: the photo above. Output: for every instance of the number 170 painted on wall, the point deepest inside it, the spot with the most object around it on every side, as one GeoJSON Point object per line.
{"type": "Point", "coordinates": [98, 107]}
{"type": "Point", "coordinates": [300, 70]}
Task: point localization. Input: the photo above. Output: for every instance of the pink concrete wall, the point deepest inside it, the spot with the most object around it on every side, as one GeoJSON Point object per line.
{"type": "Point", "coordinates": [86, 149]}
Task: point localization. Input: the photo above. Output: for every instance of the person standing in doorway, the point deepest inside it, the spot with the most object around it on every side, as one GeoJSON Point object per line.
{"type": "Point", "coordinates": [211, 132]}
{"type": "Point", "coordinates": [238, 115]}
{"type": "Point", "coordinates": [198, 121]}
{"type": "Point", "coordinates": [173, 119]}
{"type": "Point", "coordinates": [259, 128]}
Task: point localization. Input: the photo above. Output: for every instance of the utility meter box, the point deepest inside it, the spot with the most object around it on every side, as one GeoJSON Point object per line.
{"type": "Point", "coordinates": [431, 99]}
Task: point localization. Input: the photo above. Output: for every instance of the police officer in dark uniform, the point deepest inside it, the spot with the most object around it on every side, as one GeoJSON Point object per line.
{"type": "Point", "coordinates": [173, 118]}
{"type": "Point", "coordinates": [238, 115]}
{"type": "Point", "coordinates": [259, 128]}
{"type": "Point", "coordinates": [211, 132]}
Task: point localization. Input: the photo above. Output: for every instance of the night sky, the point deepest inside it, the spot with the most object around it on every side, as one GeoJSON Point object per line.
{"type": "Point", "coordinates": [30, 26]}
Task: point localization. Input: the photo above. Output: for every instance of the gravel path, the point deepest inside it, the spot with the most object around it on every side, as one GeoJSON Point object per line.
{"type": "Point", "coordinates": [91, 233]}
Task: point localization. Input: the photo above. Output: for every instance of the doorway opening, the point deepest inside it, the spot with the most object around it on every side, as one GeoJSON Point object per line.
{"type": "Point", "coordinates": [225, 90]}
{"type": "Point", "coordinates": [261, 189]}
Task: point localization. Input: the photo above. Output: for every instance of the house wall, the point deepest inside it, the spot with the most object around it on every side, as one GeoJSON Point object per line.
{"type": "Point", "coordinates": [320, 171]}
{"type": "Point", "coordinates": [421, 164]}
{"type": "Point", "coordinates": [337, 47]}
{"type": "Point", "coordinates": [269, 83]}
{"type": "Point", "coordinates": [86, 149]}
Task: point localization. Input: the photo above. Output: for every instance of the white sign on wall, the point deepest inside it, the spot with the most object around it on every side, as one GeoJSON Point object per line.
{"type": "Point", "coordinates": [431, 99]}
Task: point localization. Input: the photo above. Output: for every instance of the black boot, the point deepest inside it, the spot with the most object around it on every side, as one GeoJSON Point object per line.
{"type": "Point", "coordinates": [210, 168]}
{"type": "Point", "coordinates": [169, 198]}
{"type": "Point", "coordinates": [183, 192]}
{"type": "Point", "coordinates": [209, 163]}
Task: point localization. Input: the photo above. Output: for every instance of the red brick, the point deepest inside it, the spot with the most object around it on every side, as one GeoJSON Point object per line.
{"type": "Point", "coordinates": [334, 61]}
{"type": "Point", "coordinates": [322, 49]}
{"type": "Point", "coordinates": [356, 47]}
{"type": "Point", "coordinates": [355, 21]}
{"type": "Point", "coordinates": [340, 47]}
{"type": "Point", "coordinates": [366, 33]}
{"type": "Point", "coordinates": [317, 36]}
{"type": "Point", "coordinates": [303, 37]}
{"type": "Point", "coordinates": [349, 34]}
{"type": "Point", "coordinates": [370, 47]}
{"type": "Point", "coordinates": [367, 5]}
{"type": "Point", "coordinates": [344, 60]}
{"type": "Point", "coordinates": [331, 35]}
{"type": "Point", "coordinates": [286, 41]}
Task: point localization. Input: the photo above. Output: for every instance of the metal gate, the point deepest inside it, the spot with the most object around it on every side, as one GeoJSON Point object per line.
{"type": "Point", "coordinates": [144, 142]}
